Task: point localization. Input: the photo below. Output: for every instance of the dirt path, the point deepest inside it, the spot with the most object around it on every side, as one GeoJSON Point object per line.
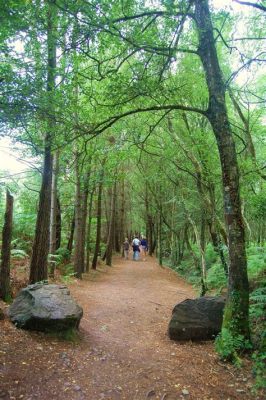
{"type": "Point", "coordinates": [124, 351]}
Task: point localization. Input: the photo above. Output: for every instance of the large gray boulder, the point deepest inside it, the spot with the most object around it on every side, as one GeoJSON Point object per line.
{"type": "Point", "coordinates": [197, 319]}
{"type": "Point", "coordinates": [45, 308]}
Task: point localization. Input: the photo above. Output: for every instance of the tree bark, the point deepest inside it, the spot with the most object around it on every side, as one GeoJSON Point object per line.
{"type": "Point", "coordinates": [79, 213]}
{"type": "Point", "coordinates": [38, 265]}
{"type": "Point", "coordinates": [99, 223]}
{"type": "Point", "coordinates": [160, 243]}
{"type": "Point", "coordinates": [71, 236]}
{"type": "Point", "coordinates": [237, 305]}
{"type": "Point", "coordinates": [88, 248]}
{"type": "Point", "coordinates": [109, 247]}
{"type": "Point", "coordinates": [85, 195]}
{"type": "Point", "coordinates": [53, 221]}
{"type": "Point", "coordinates": [122, 215]}
{"type": "Point", "coordinates": [58, 223]}
{"type": "Point", "coordinates": [6, 246]}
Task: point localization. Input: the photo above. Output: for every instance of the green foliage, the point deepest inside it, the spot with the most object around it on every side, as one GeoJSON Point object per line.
{"type": "Point", "coordinates": [67, 273]}
{"type": "Point", "coordinates": [228, 346]}
{"type": "Point", "coordinates": [210, 255]}
{"type": "Point", "coordinates": [259, 368]}
{"type": "Point", "coordinates": [258, 202]}
{"type": "Point", "coordinates": [258, 303]}
{"type": "Point", "coordinates": [20, 243]}
{"type": "Point", "coordinates": [216, 278]}
{"type": "Point", "coordinates": [256, 262]}
{"type": "Point", "coordinates": [187, 269]}
{"type": "Point", "coordinates": [258, 328]}
{"type": "Point", "coordinates": [63, 253]}
{"type": "Point", "coordinates": [56, 258]}
{"type": "Point", "coordinates": [18, 253]}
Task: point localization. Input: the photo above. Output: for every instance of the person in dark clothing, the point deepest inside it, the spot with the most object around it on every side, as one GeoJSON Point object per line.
{"type": "Point", "coordinates": [144, 246]}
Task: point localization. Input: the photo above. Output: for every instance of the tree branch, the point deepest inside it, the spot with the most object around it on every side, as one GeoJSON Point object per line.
{"type": "Point", "coordinates": [248, 3]}
{"type": "Point", "coordinates": [102, 126]}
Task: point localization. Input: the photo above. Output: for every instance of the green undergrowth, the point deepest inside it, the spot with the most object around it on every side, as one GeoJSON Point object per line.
{"type": "Point", "coordinates": [67, 272]}
{"type": "Point", "coordinates": [229, 347]}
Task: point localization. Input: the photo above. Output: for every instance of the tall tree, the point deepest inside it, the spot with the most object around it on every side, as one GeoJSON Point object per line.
{"type": "Point", "coordinates": [98, 219]}
{"type": "Point", "coordinates": [38, 265]}
{"type": "Point", "coordinates": [237, 306]}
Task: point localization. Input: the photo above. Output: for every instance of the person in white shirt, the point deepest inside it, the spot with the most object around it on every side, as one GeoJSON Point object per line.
{"type": "Point", "coordinates": [135, 247]}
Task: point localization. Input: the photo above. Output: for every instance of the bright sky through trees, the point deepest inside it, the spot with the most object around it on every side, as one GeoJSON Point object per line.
{"type": "Point", "coordinates": [9, 157]}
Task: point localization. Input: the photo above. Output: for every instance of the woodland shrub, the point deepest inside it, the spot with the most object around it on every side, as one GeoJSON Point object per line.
{"type": "Point", "coordinates": [63, 253]}
{"type": "Point", "coordinates": [211, 255]}
{"type": "Point", "coordinates": [67, 272]}
{"type": "Point", "coordinates": [258, 325]}
{"type": "Point", "coordinates": [23, 225]}
{"type": "Point", "coordinates": [256, 262]}
{"type": "Point", "coordinates": [229, 347]}
{"type": "Point", "coordinates": [22, 244]}
{"type": "Point", "coordinates": [187, 269]}
{"type": "Point", "coordinates": [216, 279]}
{"type": "Point", "coordinates": [18, 254]}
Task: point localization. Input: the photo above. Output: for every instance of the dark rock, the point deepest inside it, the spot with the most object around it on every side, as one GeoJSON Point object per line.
{"type": "Point", "coordinates": [46, 308]}
{"type": "Point", "coordinates": [198, 319]}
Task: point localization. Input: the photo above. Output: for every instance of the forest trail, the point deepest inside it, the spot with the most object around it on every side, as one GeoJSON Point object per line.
{"type": "Point", "coordinates": [124, 352]}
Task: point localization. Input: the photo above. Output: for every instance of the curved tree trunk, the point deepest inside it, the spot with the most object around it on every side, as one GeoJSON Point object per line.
{"type": "Point", "coordinates": [237, 305]}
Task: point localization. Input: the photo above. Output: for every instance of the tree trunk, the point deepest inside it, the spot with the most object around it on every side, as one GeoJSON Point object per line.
{"type": "Point", "coordinates": [149, 222]}
{"type": "Point", "coordinates": [78, 249]}
{"type": "Point", "coordinates": [53, 219]}
{"type": "Point", "coordinates": [58, 223]}
{"type": "Point", "coordinates": [71, 235]}
{"type": "Point", "coordinates": [122, 215]}
{"type": "Point", "coordinates": [237, 306]}
{"type": "Point", "coordinates": [53, 222]}
{"type": "Point", "coordinates": [99, 224]}
{"type": "Point", "coordinates": [85, 195]}
{"type": "Point", "coordinates": [160, 245]}
{"type": "Point", "coordinates": [109, 247]}
{"type": "Point", "coordinates": [117, 229]}
{"type": "Point", "coordinates": [89, 232]}
{"type": "Point", "coordinates": [5, 252]}
{"type": "Point", "coordinates": [38, 265]}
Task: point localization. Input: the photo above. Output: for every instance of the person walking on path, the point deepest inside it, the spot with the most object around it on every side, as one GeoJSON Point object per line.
{"type": "Point", "coordinates": [144, 246]}
{"type": "Point", "coordinates": [135, 247]}
{"type": "Point", "coordinates": [126, 248]}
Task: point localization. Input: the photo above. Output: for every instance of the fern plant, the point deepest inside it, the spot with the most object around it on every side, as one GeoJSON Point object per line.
{"type": "Point", "coordinates": [18, 253]}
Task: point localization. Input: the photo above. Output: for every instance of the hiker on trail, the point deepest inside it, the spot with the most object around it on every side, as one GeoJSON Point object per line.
{"type": "Point", "coordinates": [144, 246]}
{"type": "Point", "coordinates": [135, 247]}
{"type": "Point", "coordinates": [126, 248]}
